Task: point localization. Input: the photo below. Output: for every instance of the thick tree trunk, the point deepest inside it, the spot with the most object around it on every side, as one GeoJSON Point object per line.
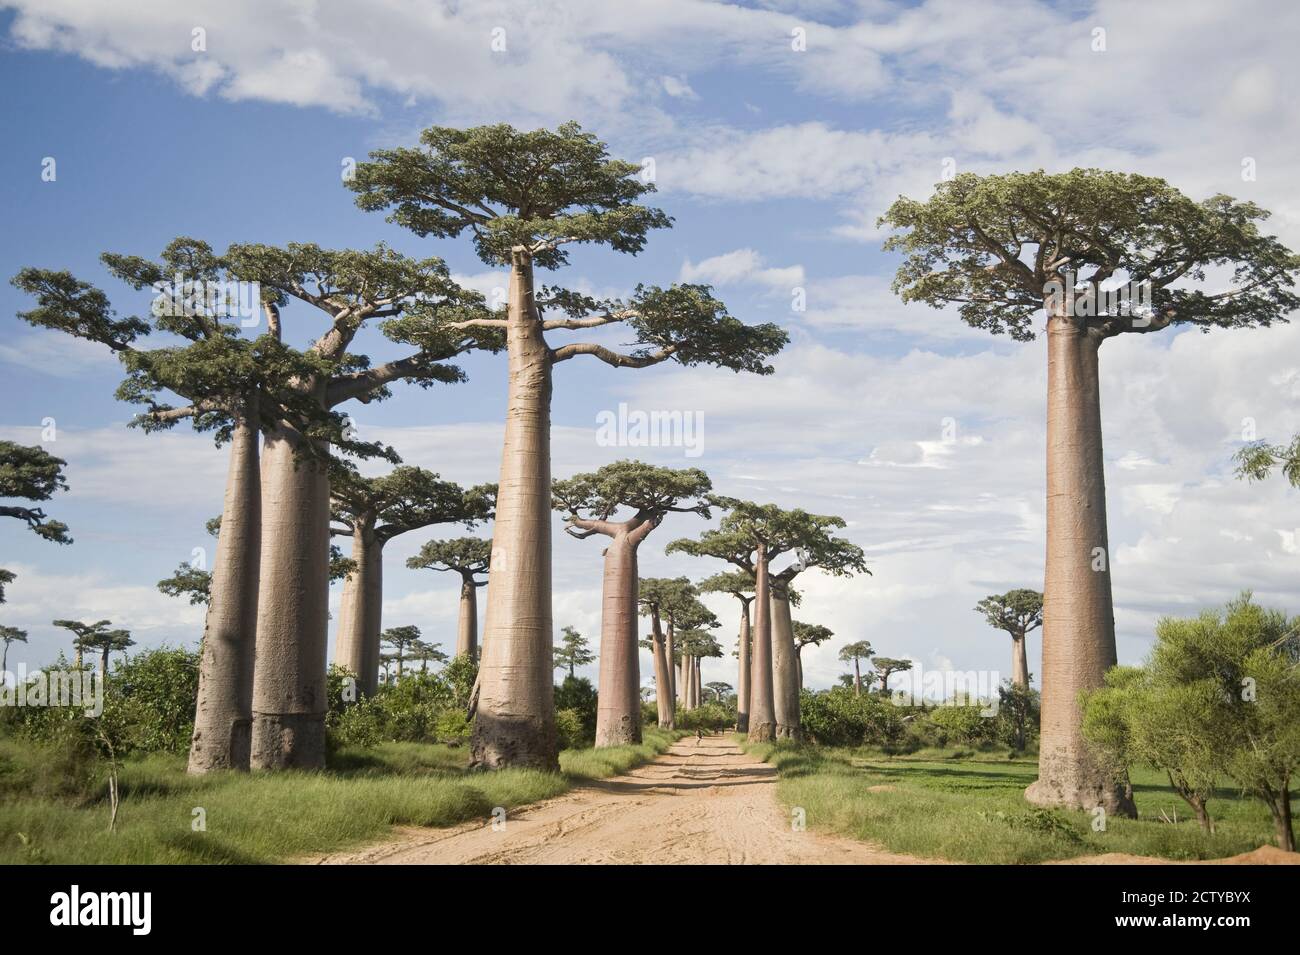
{"type": "Point", "coordinates": [762, 707]}
{"type": "Point", "coordinates": [1019, 661]}
{"type": "Point", "coordinates": [467, 621]}
{"type": "Point", "coordinates": [785, 668]}
{"type": "Point", "coordinates": [1279, 805]}
{"type": "Point", "coordinates": [514, 724]}
{"type": "Point", "coordinates": [663, 695]}
{"type": "Point", "coordinates": [223, 714]}
{"type": "Point", "coordinates": [292, 608]}
{"type": "Point", "coordinates": [798, 663]}
{"type": "Point", "coordinates": [1078, 618]}
{"type": "Point", "coordinates": [674, 665]}
{"type": "Point", "coordinates": [857, 678]}
{"type": "Point", "coordinates": [699, 688]}
{"type": "Point", "coordinates": [356, 645]}
{"type": "Point", "coordinates": [618, 703]}
{"type": "Point", "coordinates": [742, 677]}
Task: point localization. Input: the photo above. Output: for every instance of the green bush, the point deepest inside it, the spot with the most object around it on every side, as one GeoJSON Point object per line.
{"type": "Point", "coordinates": [964, 725]}
{"type": "Point", "coordinates": [453, 727]}
{"type": "Point", "coordinates": [568, 725]}
{"type": "Point", "coordinates": [836, 717]}
{"type": "Point", "coordinates": [577, 694]}
{"type": "Point", "coordinates": [710, 716]}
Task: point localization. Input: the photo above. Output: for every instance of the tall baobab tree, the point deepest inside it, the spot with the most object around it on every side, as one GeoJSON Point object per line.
{"type": "Point", "coordinates": [573, 651]}
{"type": "Point", "coordinates": [372, 511]}
{"type": "Point", "coordinates": [1008, 248]}
{"type": "Point", "coordinates": [590, 503]}
{"type": "Point", "coordinates": [418, 304]}
{"type": "Point", "coordinates": [695, 644]}
{"type": "Point", "coordinates": [230, 382]}
{"type": "Point", "coordinates": [1018, 612]}
{"type": "Point", "coordinates": [751, 536]}
{"type": "Point", "coordinates": [719, 690]}
{"type": "Point", "coordinates": [805, 635]}
{"type": "Point", "coordinates": [685, 613]}
{"type": "Point", "coordinates": [469, 557]}
{"type": "Point", "coordinates": [97, 636]}
{"type": "Point", "coordinates": [855, 653]}
{"type": "Point", "coordinates": [887, 667]}
{"type": "Point", "coordinates": [524, 197]}
{"type": "Point", "coordinates": [740, 584]}
{"type": "Point", "coordinates": [654, 594]}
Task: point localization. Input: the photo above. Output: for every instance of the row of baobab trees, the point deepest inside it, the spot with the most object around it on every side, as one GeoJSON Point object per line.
{"type": "Point", "coordinates": [1001, 250]}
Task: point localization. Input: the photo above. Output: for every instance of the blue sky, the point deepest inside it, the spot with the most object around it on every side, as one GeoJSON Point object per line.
{"type": "Point", "coordinates": [774, 164]}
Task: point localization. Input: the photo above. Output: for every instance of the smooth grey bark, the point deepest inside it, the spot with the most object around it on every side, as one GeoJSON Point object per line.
{"type": "Point", "coordinates": [467, 619]}
{"type": "Point", "coordinates": [514, 724]}
{"type": "Point", "coordinates": [785, 667]}
{"type": "Point", "coordinates": [357, 642]}
{"type": "Point", "coordinates": [292, 606]}
{"type": "Point", "coordinates": [223, 714]}
{"type": "Point", "coordinates": [674, 665]}
{"type": "Point", "coordinates": [618, 702]}
{"type": "Point", "coordinates": [663, 693]}
{"type": "Point", "coordinates": [1019, 661]}
{"type": "Point", "coordinates": [762, 706]}
{"type": "Point", "coordinates": [742, 676]}
{"type": "Point", "coordinates": [1078, 616]}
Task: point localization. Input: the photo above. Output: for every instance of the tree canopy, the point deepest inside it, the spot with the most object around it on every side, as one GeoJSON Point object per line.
{"type": "Point", "coordinates": [31, 473]}
{"type": "Point", "coordinates": [465, 555]}
{"type": "Point", "coordinates": [993, 244]}
{"type": "Point", "coordinates": [405, 499]}
{"type": "Point", "coordinates": [1017, 611]}
{"type": "Point", "coordinates": [573, 651]}
{"type": "Point", "coordinates": [591, 500]}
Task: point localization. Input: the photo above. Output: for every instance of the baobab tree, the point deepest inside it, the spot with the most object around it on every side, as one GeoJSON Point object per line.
{"type": "Point", "coordinates": [887, 667]}
{"type": "Point", "coordinates": [418, 304]}
{"type": "Point", "coordinates": [695, 645]}
{"type": "Point", "coordinates": [653, 595]}
{"type": "Point", "coordinates": [740, 584]}
{"type": "Point", "coordinates": [1005, 249]}
{"type": "Point", "coordinates": [524, 197]}
{"type": "Point", "coordinates": [9, 635]}
{"type": "Point", "coordinates": [719, 690]}
{"type": "Point", "coordinates": [469, 557]}
{"type": "Point", "coordinates": [591, 503]}
{"type": "Point", "coordinates": [427, 653]}
{"type": "Point", "coordinates": [97, 636]}
{"type": "Point", "coordinates": [1018, 612]}
{"type": "Point", "coordinates": [573, 652]}
{"type": "Point", "coordinates": [372, 511]}
{"type": "Point", "coordinates": [855, 653]}
{"type": "Point", "coordinates": [751, 536]}
{"type": "Point", "coordinates": [805, 635]}
{"type": "Point", "coordinates": [405, 642]}
{"type": "Point", "coordinates": [685, 614]}
{"type": "Point", "coordinates": [230, 384]}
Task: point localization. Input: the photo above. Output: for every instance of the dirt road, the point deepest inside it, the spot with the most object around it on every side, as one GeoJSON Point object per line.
{"type": "Point", "coordinates": [702, 802]}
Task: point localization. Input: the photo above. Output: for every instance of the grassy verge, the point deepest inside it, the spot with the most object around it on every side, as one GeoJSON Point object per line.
{"type": "Point", "coordinates": [268, 818]}
{"type": "Point", "coordinates": [970, 808]}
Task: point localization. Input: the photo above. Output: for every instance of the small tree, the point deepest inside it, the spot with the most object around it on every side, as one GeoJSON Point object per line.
{"type": "Point", "coordinates": [591, 502]}
{"type": "Point", "coordinates": [469, 557]}
{"type": "Point", "coordinates": [719, 690]}
{"type": "Point", "coordinates": [82, 633]}
{"type": "Point", "coordinates": [807, 634]}
{"type": "Point", "coordinates": [9, 635]}
{"type": "Point", "coordinates": [373, 511]}
{"type": "Point", "coordinates": [855, 653]}
{"type": "Point", "coordinates": [573, 651]}
{"type": "Point", "coordinates": [405, 642]}
{"type": "Point", "coordinates": [886, 667]}
{"type": "Point", "coordinates": [427, 653]}
{"type": "Point", "coordinates": [99, 637]}
{"type": "Point", "coordinates": [1017, 612]}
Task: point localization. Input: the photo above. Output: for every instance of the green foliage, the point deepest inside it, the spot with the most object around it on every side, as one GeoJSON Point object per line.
{"type": "Point", "coordinates": [964, 725]}
{"type": "Point", "coordinates": [466, 555]}
{"type": "Point", "coordinates": [573, 651]}
{"type": "Point", "coordinates": [1257, 461]}
{"type": "Point", "coordinates": [577, 696]}
{"type": "Point", "coordinates": [32, 474]}
{"type": "Point", "coordinates": [188, 581]}
{"type": "Point", "coordinates": [650, 492]}
{"type": "Point", "coordinates": [570, 730]}
{"type": "Point", "coordinates": [993, 243]}
{"type": "Point", "coordinates": [711, 716]}
{"type": "Point", "coordinates": [1017, 611]}
{"type": "Point", "coordinates": [1018, 712]}
{"type": "Point", "coordinates": [836, 717]}
{"type": "Point", "coordinates": [1218, 697]}
{"type": "Point", "coordinates": [459, 675]}
{"type": "Point", "coordinates": [406, 499]}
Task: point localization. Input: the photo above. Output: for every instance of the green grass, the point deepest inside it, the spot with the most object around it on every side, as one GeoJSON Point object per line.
{"type": "Point", "coordinates": [268, 817]}
{"type": "Point", "coordinates": [971, 808]}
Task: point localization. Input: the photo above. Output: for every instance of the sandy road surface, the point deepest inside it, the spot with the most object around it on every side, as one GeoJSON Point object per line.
{"type": "Point", "coordinates": [702, 802]}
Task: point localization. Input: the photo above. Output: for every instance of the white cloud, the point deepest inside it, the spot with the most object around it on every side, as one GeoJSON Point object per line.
{"type": "Point", "coordinates": [741, 266]}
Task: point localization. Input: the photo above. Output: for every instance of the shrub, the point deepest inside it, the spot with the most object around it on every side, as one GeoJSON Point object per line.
{"type": "Point", "coordinates": [568, 725]}
{"type": "Point", "coordinates": [964, 725]}
{"type": "Point", "coordinates": [710, 716]}
{"type": "Point", "coordinates": [577, 694]}
{"type": "Point", "coordinates": [836, 717]}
